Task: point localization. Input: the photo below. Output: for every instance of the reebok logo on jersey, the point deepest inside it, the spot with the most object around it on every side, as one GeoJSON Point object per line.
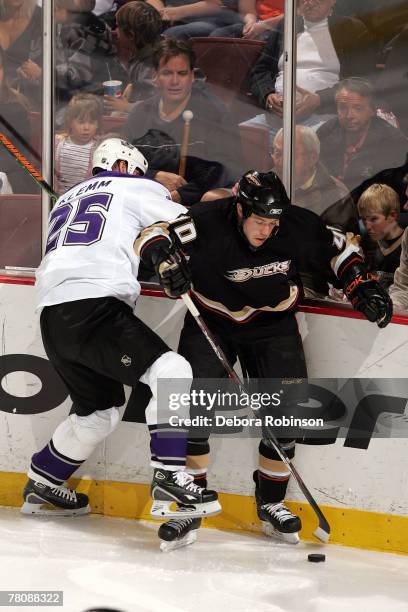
{"type": "Point", "coordinates": [243, 274]}
{"type": "Point", "coordinates": [126, 361]}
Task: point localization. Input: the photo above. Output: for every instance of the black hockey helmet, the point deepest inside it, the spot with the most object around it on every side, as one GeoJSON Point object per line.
{"type": "Point", "coordinates": [263, 194]}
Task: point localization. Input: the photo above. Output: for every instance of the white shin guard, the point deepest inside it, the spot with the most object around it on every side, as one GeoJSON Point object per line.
{"type": "Point", "coordinates": [78, 436]}
{"type": "Point", "coordinates": [169, 365]}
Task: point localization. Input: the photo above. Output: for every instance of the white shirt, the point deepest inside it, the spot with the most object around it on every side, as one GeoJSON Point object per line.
{"type": "Point", "coordinates": [92, 229]}
{"type": "Point", "coordinates": [317, 66]}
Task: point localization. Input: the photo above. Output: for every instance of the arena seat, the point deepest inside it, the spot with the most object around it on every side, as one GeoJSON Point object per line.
{"type": "Point", "coordinates": [227, 64]}
{"type": "Point", "coordinates": [255, 147]}
{"type": "Point", "coordinates": [113, 124]}
{"type": "Point", "coordinates": [20, 230]}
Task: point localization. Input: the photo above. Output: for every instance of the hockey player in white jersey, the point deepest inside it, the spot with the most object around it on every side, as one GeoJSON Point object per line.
{"type": "Point", "coordinates": [87, 287]}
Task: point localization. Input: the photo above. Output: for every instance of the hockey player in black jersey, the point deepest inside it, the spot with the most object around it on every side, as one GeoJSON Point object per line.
{"type": "Point", "coordinates": [244, 258]}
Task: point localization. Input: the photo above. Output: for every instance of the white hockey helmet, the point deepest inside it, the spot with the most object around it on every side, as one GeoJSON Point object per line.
{"type": "Point", "coordinates": [114, 149]}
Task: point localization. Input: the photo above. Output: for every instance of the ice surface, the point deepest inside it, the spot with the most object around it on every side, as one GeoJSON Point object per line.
{"type": "Point", "coordinates": [117, 563]}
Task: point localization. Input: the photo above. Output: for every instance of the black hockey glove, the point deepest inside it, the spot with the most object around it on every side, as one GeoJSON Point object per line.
{"type": "Point", "coordinates": [367, 295]}
{"type": "Point", "coordinates": [173, 271]}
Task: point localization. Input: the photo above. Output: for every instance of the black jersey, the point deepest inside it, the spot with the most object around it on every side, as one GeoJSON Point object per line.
{"type": "Point", "coordinates": [235, 284]}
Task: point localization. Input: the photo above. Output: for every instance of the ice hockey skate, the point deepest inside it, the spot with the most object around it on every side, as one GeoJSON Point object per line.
{"type": "Point", "coordinates": [175, 493]}
{"type": "Point", "coordinates": [278, 521]}
{"type": "Point", "coordinates": [177, 533]}
{"type": "Point", "coordinates": [53, 500]}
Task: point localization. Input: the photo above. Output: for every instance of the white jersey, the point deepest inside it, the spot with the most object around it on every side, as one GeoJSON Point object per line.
{"type": "Point", "coordinates": [92, 229]}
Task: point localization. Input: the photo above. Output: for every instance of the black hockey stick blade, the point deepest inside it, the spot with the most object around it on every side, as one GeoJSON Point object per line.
{"type": "Point", "coordinates": [322, 532]}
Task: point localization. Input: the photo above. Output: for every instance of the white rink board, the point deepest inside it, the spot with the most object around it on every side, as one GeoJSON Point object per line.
{"type": "Point", "coordinates": [375, 479]}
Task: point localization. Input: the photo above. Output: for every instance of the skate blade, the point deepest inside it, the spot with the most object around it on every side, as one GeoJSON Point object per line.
{"type": "Point", "coordinates": [163, 509]}
{"type": "Point", "coordinates": [189, 538]}
{"type": "Point", "coordinates": [49, 510]}
{"type": "Point", "coordinates": [288, 538]}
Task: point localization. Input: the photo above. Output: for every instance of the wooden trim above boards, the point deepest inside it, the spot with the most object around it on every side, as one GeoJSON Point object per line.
{"type": "Point", "coordinates": [349, 527]}
{"type": "Point", "coordinates": [320, 307]}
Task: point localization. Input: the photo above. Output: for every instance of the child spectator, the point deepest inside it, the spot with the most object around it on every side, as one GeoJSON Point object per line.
{"type": "Point", "coordinates": [75, 147]}
{"type": "Point", "coordinates": [379, 209]}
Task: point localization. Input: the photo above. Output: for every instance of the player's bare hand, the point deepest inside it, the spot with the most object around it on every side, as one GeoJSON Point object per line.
{"type": "Point", "coordinates": [170, 180]}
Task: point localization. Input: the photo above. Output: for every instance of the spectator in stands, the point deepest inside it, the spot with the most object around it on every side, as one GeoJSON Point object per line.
{"type": "Point", "coordinates": [393, 82]}
{"type": "Point", "coordinates": [379, 209]}
{"type": "Point", "coordinates": [383, 18]}
{"type": "Point", "coordinates": [198, 18]}
{"type": "Point", "coordinates": [357, 144]}
{"type": "Point", "coordinates": [139, 28]}
{"type": "Point", "coordinates": [315, 188]}
{"type": "Point", "coordinates": [74, 148]}
{"type": "Point", "coordinates": [21, 40]}
{"type": "Point", "coordinates": [405, 183]}
{"type": "Point", "coordinates": [399, 289]}
{"type": "Point", "coordinates": [393, 177]}
{"type": "Point", "coordinates": [213, 137]}
{"type": "Point", "coordinates": [329, 48]}
{"type": "Point", "coordinates": [107, 9]}
{"type": "Point", "coordinates": [83, 43]}
{"type": "Point", "coordinates": [83, 47]}
{"type": "Point", "coordinates": [257, 18]}
{"type": "Point", "coordinates": [15, 125]}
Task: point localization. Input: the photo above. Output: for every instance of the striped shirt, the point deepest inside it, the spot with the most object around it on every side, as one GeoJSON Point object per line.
{"type": "Point", "coordinates": [73, 163]}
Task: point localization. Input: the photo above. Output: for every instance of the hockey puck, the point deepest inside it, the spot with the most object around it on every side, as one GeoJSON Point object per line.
{"type": "Point", "coordinates": [316, 558]}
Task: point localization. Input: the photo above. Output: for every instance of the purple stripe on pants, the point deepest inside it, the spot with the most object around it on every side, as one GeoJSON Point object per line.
{"type": "Point", "coordinates": [169, 448]}
{"type": "Point", "coordinates": [46, 462]}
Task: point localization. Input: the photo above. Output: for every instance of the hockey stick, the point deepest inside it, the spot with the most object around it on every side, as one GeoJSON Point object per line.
{"type": "Point", "coordinates": [322, 532]}
{"type": "Point", "coordinates": [20, 138]}
{"type": "Point", "coordinates": [23, 161]}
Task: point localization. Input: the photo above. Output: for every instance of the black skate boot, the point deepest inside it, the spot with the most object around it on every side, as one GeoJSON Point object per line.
{"type": "Point", "coordinates": [177, 533]}
{"type": "Point", "coordinates": [192, 501]}
{"type": "Point", "coordinates": [277, 520]}
{"type": "Point", "coordinates": [53, 500]}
